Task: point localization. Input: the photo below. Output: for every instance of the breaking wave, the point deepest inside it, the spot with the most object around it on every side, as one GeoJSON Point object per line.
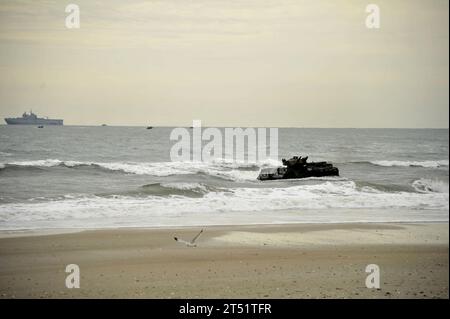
{"type": "Point", "coordinates": [185, 202]}
{"type": "Point", "coordinates": [425, 185]}
{"type": "Point", "coordinates": [427, 164]}
{"type": "Point", "coordinates": [176, 189]}
{"type": "Point", "coordinates": [230, 170]}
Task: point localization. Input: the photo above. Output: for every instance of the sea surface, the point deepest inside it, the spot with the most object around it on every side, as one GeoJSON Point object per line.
{"type": "Point", "coordinates": [101, 177]}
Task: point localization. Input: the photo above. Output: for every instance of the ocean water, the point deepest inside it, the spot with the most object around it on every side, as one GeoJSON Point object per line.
{"type": "Point", "coordinates": [101, 177]}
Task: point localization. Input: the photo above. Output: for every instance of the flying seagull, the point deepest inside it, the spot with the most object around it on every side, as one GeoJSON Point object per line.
{"type": "Point", "coordinates": [189, 243]}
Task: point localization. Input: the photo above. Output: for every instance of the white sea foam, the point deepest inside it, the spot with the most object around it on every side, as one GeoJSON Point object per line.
{"type": "Point", "coordinates": [428, 164]}
{"type": "Point", "coordinates": [231, 170]}
{"type": "Point", "coordinates": [235, 205]}
{"type": "Point", "coordinates": [187, 186]}
{"type": "Point", "coordinates": [38, 163]}
{"type": "Point", "coordinates": [425, 185]}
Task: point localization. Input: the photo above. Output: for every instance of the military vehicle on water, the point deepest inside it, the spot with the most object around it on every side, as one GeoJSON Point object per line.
{"type": "Point", "coordinates": [297, 167]}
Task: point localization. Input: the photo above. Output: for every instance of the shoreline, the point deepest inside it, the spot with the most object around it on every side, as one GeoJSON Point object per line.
{"type": "Point", "coordinates": [253, 261]}
{"type": "Point", "coordinates": [17, 233]}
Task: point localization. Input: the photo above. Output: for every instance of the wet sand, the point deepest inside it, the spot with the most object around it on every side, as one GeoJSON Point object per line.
{"type": "Point", "coordinates": [282, 261]}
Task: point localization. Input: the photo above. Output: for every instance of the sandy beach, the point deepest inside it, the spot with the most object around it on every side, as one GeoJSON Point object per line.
{"type": "Point", "coordinates": [282, 261]}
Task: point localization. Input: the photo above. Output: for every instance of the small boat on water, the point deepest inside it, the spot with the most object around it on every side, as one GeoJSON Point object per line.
{"type": "Point", "coordinates": [149, 127]}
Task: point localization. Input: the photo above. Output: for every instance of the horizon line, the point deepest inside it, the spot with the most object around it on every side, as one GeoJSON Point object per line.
{"type": "Point", "coordinates": [206, 126]}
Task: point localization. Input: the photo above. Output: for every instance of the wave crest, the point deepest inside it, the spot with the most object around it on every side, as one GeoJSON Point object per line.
{"type": "Point", "coordinates": [427, 164]}
{"type": "Point", "coordinates": [225, 169]}
{"type": "Point", "coordinates": [299, 203]}
{"type": "Point", "coordinates": [425, 185]}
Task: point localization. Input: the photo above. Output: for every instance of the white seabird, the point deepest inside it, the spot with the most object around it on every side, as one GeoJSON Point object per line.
{"type": "Point", "coordinates": [189, 243]}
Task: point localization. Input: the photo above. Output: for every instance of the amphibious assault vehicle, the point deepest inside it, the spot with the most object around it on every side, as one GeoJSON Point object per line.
{"type": "Point", "coordinates": [297, 167]}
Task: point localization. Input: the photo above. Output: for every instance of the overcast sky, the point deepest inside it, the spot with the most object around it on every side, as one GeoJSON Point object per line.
{"type": "Point", "coordinates": [233, 63]}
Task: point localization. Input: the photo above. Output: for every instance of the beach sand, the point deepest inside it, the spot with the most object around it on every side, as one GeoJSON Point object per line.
{"type": "Point", "coordinates": [281, 261]}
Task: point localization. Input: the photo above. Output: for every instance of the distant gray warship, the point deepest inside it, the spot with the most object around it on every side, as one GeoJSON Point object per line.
{"type": "Point", "coordinates": [32, 119]}
{"type": "Point", "coordinates": [297, 167]}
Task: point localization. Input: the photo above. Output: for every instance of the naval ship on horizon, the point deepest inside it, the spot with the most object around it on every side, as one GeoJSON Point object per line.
{"type": "Point", "coordinates": [32, 119]}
